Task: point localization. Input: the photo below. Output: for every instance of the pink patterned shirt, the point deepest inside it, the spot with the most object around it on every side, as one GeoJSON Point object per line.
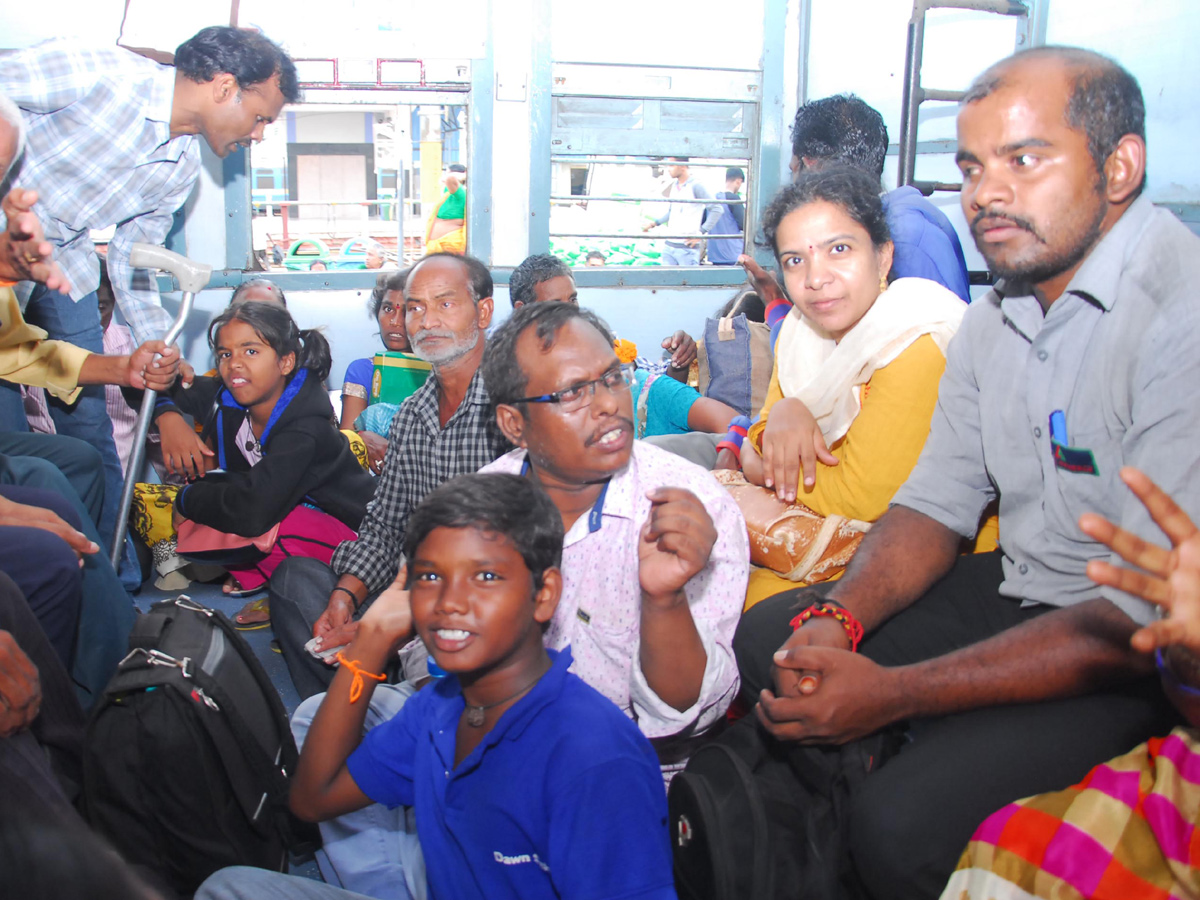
{"type": "Point", "coordinates": [600, 611]}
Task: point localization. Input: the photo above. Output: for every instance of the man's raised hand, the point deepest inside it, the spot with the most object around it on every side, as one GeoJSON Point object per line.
{"type": "Point", "coordinates": [1168, 578]}
{"type": "Point", "coordinates": [25, 254]}
{"type": "Point", "coordinates": [676, 541]}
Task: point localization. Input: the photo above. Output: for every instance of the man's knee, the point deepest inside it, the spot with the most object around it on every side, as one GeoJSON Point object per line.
{"type": "Point", "coordinates": [43, 498]}
{"type": "Point", "coordinates": [303, 583]}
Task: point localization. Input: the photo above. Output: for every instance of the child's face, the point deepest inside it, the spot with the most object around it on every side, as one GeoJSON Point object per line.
{"type": "Point", "coordinates": [252, 371]}
{"type": "Point", "coordinates": [473, 601]}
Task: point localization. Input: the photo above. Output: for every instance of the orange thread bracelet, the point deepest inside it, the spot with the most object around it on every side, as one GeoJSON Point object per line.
{"type": "Point", "coordinates": [854, 629]}
{"type": "Point", "coordinates": [357, 685]}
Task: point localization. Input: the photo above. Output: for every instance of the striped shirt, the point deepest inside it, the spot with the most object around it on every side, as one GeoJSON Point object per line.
{"type": "Point", "coordinates": [99, 152]}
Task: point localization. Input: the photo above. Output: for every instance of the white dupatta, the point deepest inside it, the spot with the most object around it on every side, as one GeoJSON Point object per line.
{"type": "Point", "coordinates": [827, 376]}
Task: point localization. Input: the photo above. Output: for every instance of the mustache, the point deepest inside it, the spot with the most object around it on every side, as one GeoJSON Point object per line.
{"type": "Point", "coordinates": [994, 217]}
{"type": "Point", "coordinates": [427, 333]}
{"type": "Point", "coordinates": [603, 430]}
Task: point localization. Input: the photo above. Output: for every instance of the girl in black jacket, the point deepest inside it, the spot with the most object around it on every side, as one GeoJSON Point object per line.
{"type": "Point", "coordinates": [280, 458]}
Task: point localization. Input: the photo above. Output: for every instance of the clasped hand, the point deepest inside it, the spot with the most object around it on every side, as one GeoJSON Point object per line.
{"type": "Point", "coordinates": [824, 693]}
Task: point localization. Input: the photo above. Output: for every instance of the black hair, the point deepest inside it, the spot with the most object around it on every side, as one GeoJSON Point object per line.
{"type": "Point", "coordinates": [841, 129]}
{"type": "Point", "coordinates": [734, 172]}
{"type": "Point", "coordinates": [479, 279]}
{"type": "Point", "coordinates": [592, 254]}
{"type": "Point", "coordinates": [249, 56]}
{"type": "Point", "coordinates": [748, 303]}
{"type": "Point", "coordinates": [848, 187]}
{"type": "Point", "coordinates": [532, 271]}
{"type": "Point", "coordinates": [384, 285]}
{"type": "Point", "coordinates": [457, 167]}
{"type": "Point", "coordinates": [502, 374]}
{"type": "Point", "coordinates": [259, 282]}
{"type": "Point", "coordinates": [507, 505]}
{"type": "Point", "coordinates": [1105, 104]}
{"type": "Point", "coordinates": [684, 160]}
{"type": "Point", "coordinates": [277, 328]}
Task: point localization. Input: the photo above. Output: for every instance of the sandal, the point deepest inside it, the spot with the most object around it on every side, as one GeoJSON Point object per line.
{"type": "Point", "coordinates": [254, 615]}
{"type": "Point", "coordinates": [232, 589]}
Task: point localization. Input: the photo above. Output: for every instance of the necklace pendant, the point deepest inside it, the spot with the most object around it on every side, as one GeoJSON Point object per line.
{"type": "Point", "coordinates": [475, 716]}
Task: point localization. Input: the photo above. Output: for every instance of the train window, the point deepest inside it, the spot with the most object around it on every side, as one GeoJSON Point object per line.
{"type": "Point", "coordinates": [639, 153]}
{"type": "Point", "coordinates": [651, 165]}
{"type": "Point", "coordinates": [327, 176]}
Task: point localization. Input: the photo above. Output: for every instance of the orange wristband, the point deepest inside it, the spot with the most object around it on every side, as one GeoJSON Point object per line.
{"type": "Point", "coordinates": [357, 685]}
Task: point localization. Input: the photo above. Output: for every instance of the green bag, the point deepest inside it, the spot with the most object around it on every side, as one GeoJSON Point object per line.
{"type": "Point", "coordinates": [397, 376]}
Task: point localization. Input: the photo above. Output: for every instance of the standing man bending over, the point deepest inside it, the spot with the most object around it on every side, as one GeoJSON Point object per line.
{"type": "Point", "coordinates": [1012, 670]}
{"type": "Point", "coordinates": [111, 141]}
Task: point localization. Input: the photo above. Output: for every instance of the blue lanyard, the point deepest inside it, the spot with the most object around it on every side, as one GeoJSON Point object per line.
{"type": "Point", "coordinates": [596, 516]}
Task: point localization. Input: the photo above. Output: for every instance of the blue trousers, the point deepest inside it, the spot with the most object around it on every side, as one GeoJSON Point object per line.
{"type": "Point", "coordinates": [45, 568]}
{"type": "Point", "coordinates": [77, 322]}
{"type": "Point", "coordinates": [107, 611]}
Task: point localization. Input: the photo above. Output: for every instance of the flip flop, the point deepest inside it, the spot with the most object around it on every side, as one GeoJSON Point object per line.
{"type": "Point", "coordinates": [254, 615]}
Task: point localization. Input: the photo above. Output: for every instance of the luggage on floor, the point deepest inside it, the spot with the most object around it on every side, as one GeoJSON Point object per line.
{"type": "Point", "coordinates": [752, 817]}
{"type": "Point", "coordinates": [189, 752]}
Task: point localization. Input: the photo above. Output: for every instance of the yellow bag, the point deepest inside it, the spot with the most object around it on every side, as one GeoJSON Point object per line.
{"type": "Point", "coordinates": [150, 514]}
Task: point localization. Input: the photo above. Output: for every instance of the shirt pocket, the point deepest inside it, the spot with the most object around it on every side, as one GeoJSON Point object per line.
{"type": "Point", "coordinates": [1083, 492]}
{"type": "Point", "coordinates": [611, 640]}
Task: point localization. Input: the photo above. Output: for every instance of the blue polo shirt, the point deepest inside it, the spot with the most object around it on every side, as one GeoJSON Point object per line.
{"type": "Point", "coordinates": [562, 798]}
{"type": "Point", "coordinates": [927, 245]}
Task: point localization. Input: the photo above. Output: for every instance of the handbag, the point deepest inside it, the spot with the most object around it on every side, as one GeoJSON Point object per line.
{"type": "Point", "coordinates": [200, 543]}
{"type": "Point", "coordinates": [789, 538]}
{"type": "Point", "coordinates": [735, 361]}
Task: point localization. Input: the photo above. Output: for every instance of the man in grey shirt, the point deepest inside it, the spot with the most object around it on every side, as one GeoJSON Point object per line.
{"type": "Point", "coordinates": [1011, 672]}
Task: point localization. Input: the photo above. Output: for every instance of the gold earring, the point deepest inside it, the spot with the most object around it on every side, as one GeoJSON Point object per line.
{"type": "Point", "coordinates": [883, 282]}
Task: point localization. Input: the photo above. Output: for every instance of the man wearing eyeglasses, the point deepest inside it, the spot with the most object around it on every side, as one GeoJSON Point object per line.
{"type": "Point", "coordinates": [655, 558]}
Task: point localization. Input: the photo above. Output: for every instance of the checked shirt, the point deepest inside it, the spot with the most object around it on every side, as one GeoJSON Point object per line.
{"type": "Point", "coordinates": [421, 455]}
{"type": "Point", "coordinates": [99, 152]}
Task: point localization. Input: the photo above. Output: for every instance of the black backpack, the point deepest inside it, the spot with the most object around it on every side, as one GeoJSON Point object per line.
{"type": "Point", "coordinates": [753, 817]}
{"type": "Point", "coordinates": [189, 752]}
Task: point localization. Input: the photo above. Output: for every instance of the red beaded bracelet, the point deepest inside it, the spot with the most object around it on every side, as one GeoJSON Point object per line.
{"type": "Point", "coordinates": [854, 629]}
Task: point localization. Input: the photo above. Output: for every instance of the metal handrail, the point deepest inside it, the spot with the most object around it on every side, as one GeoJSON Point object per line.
{"type": "Point", "coordinates": [914, 93]}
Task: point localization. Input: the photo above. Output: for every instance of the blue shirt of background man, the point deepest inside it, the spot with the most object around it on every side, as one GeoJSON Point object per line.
{"type": "Point", "coordinates": [926, 243]}
{"type": "Point", "coordinates": [562, 798]}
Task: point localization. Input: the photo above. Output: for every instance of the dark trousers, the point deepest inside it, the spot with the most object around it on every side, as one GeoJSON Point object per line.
{"type": "Point", "coordinates": [107, 612]}
{"type": "Point", "coordinates": [45, 568]}
{"type": "Point", "coordinates": [912, 818]}
{"type": "Point", "coordinates": [41, 765]}
{"type": "Point", "coordinates": [300, 589]}
{"type": "Point", "coordinates": [77, 322]}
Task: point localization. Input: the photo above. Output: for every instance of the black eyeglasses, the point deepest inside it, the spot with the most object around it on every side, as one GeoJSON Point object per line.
{"type": "Point", "coordinates": [577, 396]}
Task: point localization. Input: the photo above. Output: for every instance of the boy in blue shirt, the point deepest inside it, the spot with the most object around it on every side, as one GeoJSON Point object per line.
{"type": "Point", "coordinates": [526, 782]}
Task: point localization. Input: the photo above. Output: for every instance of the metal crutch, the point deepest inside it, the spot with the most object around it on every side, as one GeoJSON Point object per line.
{"type": "Point", "coordinates": [193, 277]}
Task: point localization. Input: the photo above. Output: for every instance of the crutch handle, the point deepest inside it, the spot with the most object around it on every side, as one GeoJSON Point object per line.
{"type": "Point", "coordinates": [193, 276]}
